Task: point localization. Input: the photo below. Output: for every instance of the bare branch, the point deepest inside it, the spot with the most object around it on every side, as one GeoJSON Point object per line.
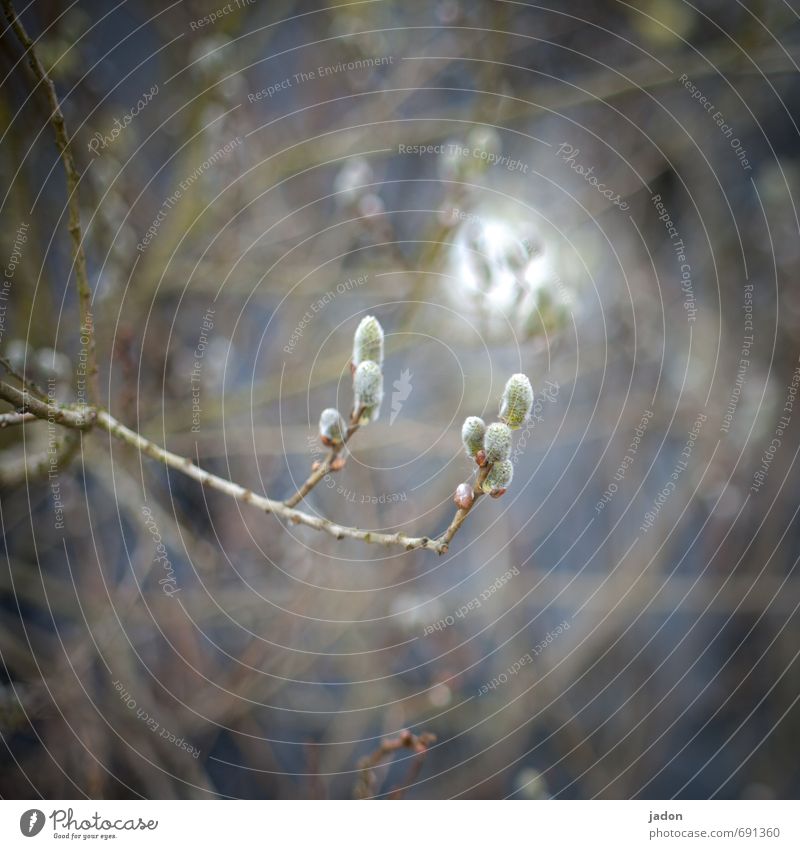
{"type": "Point", "coordinates": [247, 496]}
{"type": "Point", "coordinates": [7, 419]}
{"type": "Point", "coordinates": [76, 235]}
{"type": "Point", "coordinates": [419, 745]}
{"type": "Point", "coordinates": [24, 381]}
{"type": "Point", "coordinates": [84, 419]}
{"type": "Point", "coordinates": [25, 402]}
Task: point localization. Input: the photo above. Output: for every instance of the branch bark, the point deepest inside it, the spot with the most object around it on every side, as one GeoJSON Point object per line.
{"type": "Point", "coordinates": [247, 496]}
{"type": "Point", "coordinates": [75, 232]}
{"type": "Point", "coordinates": [25, 402]}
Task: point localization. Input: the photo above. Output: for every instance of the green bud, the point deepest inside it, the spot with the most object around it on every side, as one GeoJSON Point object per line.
{"type": "Point", "coordinates": [368, 390]}
{"type": "Point", "coordinates": [499, 476]}
{"type": "Point", "coordinates": [472, 432]}
{"type": "Point", "coordinates": [331, 427]}
{"type": "Point", "coordinates": [368, 342]}
{"type": "Point", "coordinates": [515, 406]}
{"type": "Point", "coordinates": [497, 442]}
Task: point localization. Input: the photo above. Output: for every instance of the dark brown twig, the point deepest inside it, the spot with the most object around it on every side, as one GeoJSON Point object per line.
{"type": "Point", "coordinates": [76, 235]}
{"type": "Point", "coordinates": [367, 784]}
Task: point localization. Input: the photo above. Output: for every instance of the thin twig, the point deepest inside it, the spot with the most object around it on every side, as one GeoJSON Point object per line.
{"type": "Point", "coordinates": [247, 496]}
{"type": "Point", "coordinates": [25, 402]}
{"type": "Point", "coordinates": [461, 514]}
{"type": "Point", "coordinates": [76, 235]}
{"type": "Point", "coordinates": [327, 465]}
{"type": "Point", "coordinates": [24, 381]}
{"type": "Point", "coordinates": [366, 786]}
{"type": "Point", "coordinates": [7, 419]}
{"type": "Point", "coordinates": [84, 419]}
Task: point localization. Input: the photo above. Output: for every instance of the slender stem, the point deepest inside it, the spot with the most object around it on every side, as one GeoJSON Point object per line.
{"type": "Point", "coordinates": [86, 418]}
{"type": "Point", "coordinates": [461, 514]}
{"type": "Point", "coordinates": [24, 381]}
{"type": "Point", "coordinates": [247, 496]}
{"type": "Point", "coordinates": [7, 419]}
{"type": "Point", "coordinates": [325, 466]}
{"type": "Point", "coordinates": [25, 402]}
{"type": "Point", "coordinates": [76, 235]}
{"type": "Point", "coordinates": [419, 745]}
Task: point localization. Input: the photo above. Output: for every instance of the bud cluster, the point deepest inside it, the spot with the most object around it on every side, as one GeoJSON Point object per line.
{"type": "Point", "coordinates": [367, 384]}
{"type": "Point", "coordinates": [491, 446]}
{"type": "Point", "coordinates": [368, 362]}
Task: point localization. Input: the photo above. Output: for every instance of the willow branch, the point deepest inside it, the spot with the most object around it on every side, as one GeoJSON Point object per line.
{"type": "Point", "coordinates": [76, 235]}
{"type": "Point", "coordinates": [86, 418]}
{"type": "Point", "coordinates": [247, 496]}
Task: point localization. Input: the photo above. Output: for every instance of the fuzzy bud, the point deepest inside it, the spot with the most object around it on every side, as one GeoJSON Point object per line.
{"type": "Point", "coordinates": [368, 342]}
{"type": "Point", "coordinates": [472, 432]}
{"type": "Point", "coordinates": [497, 442]}
{"type": "Point", "coordinates": [331, 427]}
{"type": "Point", "coordinates": [464, 496]}
{"type": "Point", "coordinates": [368, 391]}
{"type": "Point", "coordinates": [517, 401]}
{"type": "Point", "coordinates": [499, 477]}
